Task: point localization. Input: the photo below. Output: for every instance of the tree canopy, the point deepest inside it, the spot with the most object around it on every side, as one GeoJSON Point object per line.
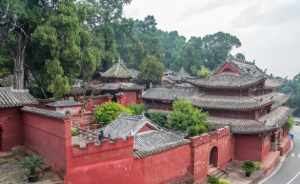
{"type": "Point", "coordinates": [52, 43]}
{"type": "Point", "coordinates": [187, 118]}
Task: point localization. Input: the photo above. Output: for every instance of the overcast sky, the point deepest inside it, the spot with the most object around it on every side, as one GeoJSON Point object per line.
{"type": "Point", "coordinates": [268, 29]}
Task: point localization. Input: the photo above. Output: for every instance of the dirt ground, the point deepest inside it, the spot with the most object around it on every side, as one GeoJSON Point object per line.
{"type": "Point", "coordinates": [12, 173]}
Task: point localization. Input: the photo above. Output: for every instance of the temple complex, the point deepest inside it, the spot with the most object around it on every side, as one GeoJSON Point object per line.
{"type": "Point", "coordinates": [238, 95]}
{"type": "Point", "coordinates": [247, 115]}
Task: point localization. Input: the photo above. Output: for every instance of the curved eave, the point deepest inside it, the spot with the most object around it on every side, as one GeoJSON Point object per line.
{"type": "Point", "coordinates": [245, 86]}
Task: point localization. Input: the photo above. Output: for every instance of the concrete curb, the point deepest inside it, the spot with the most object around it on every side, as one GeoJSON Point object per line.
{"type": "Point", "coordinates": [276, 170]}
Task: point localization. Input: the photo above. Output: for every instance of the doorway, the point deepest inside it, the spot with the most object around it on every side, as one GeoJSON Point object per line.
{"type": "Point", "coordinates": [213, 157]}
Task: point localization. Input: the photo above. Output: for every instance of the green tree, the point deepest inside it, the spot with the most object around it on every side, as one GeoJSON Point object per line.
{"type": "Point", "coordinates": [109, 111]}
{"type": "Point", "coordinates": [204, 72]}
{"type": "Point", "coordinates": [187, 118]}
{"type": "Point", "coordinates": [66, 49]}
{"type": "Point", "coordinates": [240, 57]}
{"type": "Point", "coordinates": [217, 47]}
{"type": "Point", "coordinates": [137, 109]}
{"type": "Point", "coordinates": [151, 71]}
{"type": "Point", "coordinates": [191, 56]}
{"type": "Point", "coordinates": [18, 20]}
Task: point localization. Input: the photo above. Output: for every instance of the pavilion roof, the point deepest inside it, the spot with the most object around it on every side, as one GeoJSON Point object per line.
{"type": "Point", "coordinates": [118, 70]}
{"type": "Point", "coordinates": [227, 80]}
{"type": "Point", "coordinates": [215, 101]}
{"type": "Point", "coordinates": [248, 74]}
{"type": "Point", "coordinates": [15, 98]}
{"type": "Point", "coordinates": [125, 126]}
{"type": "Point", "coordinates": [273, 120]}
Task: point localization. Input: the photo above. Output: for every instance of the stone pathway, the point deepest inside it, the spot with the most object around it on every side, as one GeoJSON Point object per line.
{"type": "Point", "coordinates": [12, 173]}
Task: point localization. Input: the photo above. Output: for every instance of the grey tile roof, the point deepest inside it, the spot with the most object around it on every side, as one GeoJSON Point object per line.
{"type": "Point", "coordinates": [212, 101]}
{"type": "Point", "coordinates": [118, 70]}
{"type": "Point", "coordinates": [44, 112]}
{"type": "Point", "coordinates": [134, 73]}
{"type": "Point", "coordinates": [273, 83]}
{"type": "Point", "coordinates": [149, 143]}
{"type": "Point", "coordinates": [276, 118]}
{"type": "Point", "coordinates": [125, 126]}
{"type": "Point", "coordinates": [64, 103]}
{"type": "Point", "coordinates": [162, 93]}
{"type": "Point", "coordinates": [15, 98]}
{"type": "Point", "coordinates": [227, 80]}
{"type": "Point", "coordinates": [119, 86]}
{"type": "Point", "coordinates": [249, 75]}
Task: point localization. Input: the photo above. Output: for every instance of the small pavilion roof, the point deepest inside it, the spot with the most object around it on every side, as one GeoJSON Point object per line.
{"type": "Point", "coordinates": [15, 98]}
{"type": "Point", "coordinates": [125, 126]}
{"type": "Point", "coordinates": [118, 70]}
{"type": "Point", "coordinates": [273, 120]}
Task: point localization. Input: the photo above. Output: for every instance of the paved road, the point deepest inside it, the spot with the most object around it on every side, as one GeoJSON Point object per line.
{"type": "Point", "coordinates": [290, 170]}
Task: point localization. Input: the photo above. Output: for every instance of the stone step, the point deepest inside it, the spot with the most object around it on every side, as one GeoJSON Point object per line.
{"type": "Point", "coordinates": [218, 173]}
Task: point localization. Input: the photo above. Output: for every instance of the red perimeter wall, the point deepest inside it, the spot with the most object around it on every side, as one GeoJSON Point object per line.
{"type": "Point", "coordinates": [46, 137]}
{"type": "Point", "coordinates": [11, 129]}
{"type": "Point", "coordinates": [114, 163]}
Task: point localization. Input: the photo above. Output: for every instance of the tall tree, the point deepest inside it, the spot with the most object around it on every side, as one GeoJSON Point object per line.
{"type": "Point", "coordinates": [66, 49]}
{"type": "Point", "coordinates": [18, 20]}
{"type": "Point", "coordinates": [151, 71]}
{"type": "Point", "coordinates": [217, 47]}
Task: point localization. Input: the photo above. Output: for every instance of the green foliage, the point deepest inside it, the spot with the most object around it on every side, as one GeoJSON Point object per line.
{"type": "Point", "coordinates": [109, 111]}
{"type": "Point", "coordinates": [223, 181]}
{"type": "Point", "coordinates": [158, 118]}
{"type": "Point", "coordinates": [76, 38]}
{"type": "Point", "coordinates": [187, 118]}
{"type": "Point", "coordinates": [213, 180]}
{"type": "Point", "coordinates": [250, 166]}
{"type": "Point", "coordinates": [203, 72]}
{"type": "Point", "coordinates": [151, 70]}
{"type": "Point", "coordinates": [32, 163]}
{"type": "Point", "coordinates": [74, 131]}
{"type": "Point", "coordinates": [137, 109]}
{"type": "Point", "coordinates": [290, 123]}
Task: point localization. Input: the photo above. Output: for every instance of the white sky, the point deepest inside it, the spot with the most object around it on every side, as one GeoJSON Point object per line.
{"type": "Point", "coordinates": [268, 29]}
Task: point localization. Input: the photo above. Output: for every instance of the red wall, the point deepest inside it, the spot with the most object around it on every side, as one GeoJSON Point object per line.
{"type": "Point", "coordinates": [248, 147]}
{"type": "Point", "coordinates": [45, 136]}
{"type": "Point", "coordinates": [128, 98]}
{"type": "Point", "coordinates": [114, 163]}
{"type": "Point", "coordinates": [11, 128]}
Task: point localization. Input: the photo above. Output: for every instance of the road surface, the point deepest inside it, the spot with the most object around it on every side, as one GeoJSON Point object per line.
{"type": "Point", "coordinates": [289, 173]}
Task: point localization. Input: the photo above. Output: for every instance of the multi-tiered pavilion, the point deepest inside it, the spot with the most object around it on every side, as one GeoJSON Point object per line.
{"type": "Point", "coordinates": [239, 95]}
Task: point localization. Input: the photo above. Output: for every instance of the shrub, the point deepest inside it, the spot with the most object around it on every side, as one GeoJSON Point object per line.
{"type": "Point", "coordinates": [250, 166]}
{"type": "Point", "coordinates": [74, 131]}
{"type": "Point", "coordinates": [137, 109]}
{"type": "Point", "coordinates": [187, 118]}
{"type": "Point", "coordinates": [109, 111]}
{"type": "Point", "coordinates": [216, 180]}
{"type": "Point", "coordinates": [213, 180]}
{"type": "Point", "coordinates": [223, 181]}
{"type": "Point", "coordinates": [290, 123]}
{"type": "Point", "coordinates": [31, 164]}
{"type": "Point", "coordinates": [158, 118]}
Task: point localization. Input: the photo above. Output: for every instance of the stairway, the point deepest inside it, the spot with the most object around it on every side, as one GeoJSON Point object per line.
{"type": "Point", "coordinates": [218, 173]}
